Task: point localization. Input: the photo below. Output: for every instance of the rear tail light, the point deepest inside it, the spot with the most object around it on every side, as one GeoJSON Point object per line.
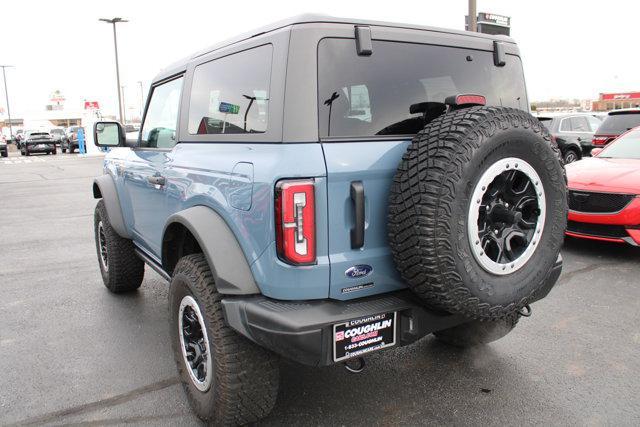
{"type": "Point", "coordinates": [601, 140]}
{"type": "Point", "coordinates": [295, 221]}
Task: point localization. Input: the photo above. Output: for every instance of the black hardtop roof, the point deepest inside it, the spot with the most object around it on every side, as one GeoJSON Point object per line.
{"type": "Point", "coordinates": [315, 18]}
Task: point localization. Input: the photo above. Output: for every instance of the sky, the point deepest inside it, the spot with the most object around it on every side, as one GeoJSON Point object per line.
{"type": "Point", "coordinates": [569, 48]}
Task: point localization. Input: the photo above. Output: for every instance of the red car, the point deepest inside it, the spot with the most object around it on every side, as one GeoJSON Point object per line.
{"type": "Point", "coordinates": [604, 201]}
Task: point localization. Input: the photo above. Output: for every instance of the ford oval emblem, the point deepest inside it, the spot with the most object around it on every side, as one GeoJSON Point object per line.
{"type": "Point", "coordinates": [358, 271]}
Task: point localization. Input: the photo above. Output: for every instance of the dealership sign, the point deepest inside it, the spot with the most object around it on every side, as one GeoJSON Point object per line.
{"type": "Point", "coordinates": [620, 96]}
{"type": "Point", "coordinates": [91, 105]}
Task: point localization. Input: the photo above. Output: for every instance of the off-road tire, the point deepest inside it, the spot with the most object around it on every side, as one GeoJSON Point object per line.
{"type": "Point", "coordinates": [430, 199]}
{"type": "Point", "coordinates": [245, 378]}
{"type": "Point", "coordinates": [125, 270]}
{"type": "Point", "coordinates": [477, 332]}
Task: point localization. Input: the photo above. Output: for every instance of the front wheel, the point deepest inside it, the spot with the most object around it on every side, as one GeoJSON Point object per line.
{"type": "Point", "coordinates": [228, 379]}
{"type": "Point", "coordinates": [121, 269]}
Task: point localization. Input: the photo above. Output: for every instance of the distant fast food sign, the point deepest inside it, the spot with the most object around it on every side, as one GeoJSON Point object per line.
{"type": "Point", "coordinates": [620, 96]}
{"type": "Point", "coordinates": [91, 105]}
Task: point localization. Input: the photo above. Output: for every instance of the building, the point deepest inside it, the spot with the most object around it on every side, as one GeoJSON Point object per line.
{"type": "Point", "coordinates": [616, 101]}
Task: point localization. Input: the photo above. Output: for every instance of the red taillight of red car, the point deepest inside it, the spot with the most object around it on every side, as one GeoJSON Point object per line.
{"type": "Point", "coordinates": [295, 221]}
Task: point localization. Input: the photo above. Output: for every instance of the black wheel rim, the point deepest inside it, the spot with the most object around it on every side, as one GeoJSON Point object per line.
{"type": "Point", "coordinates": [102, 243]}
{"type": "Point", "coordinates": [506, 216]}
{"type": "Point", "coordinates": [194, 343]}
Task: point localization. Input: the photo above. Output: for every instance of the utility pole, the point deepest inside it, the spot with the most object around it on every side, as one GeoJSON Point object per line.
{"type": "Point", "coordinates": [114, 21]}
{"type": "Point", "coordinates": [6, 94]}
{"type": "Point", "coordinates": [473, 16]}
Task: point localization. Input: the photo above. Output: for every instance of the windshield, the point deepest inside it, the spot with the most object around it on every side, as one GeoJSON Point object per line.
{"type": "Point", "coordinates": [57, 131]}
{"type": "Point", "coordinates": [618, 123]}
{"type": "Point", "coordinates": [373, 95]}
{"type": "Point", "coordinates": [625, 147]}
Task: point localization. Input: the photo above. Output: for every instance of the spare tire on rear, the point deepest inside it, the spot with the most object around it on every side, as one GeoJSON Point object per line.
{"type": "Point", "coordinates": [477, 212]}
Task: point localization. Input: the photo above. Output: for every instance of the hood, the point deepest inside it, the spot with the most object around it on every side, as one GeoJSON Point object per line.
{"type": "Point", "coordinates": [605, 175]}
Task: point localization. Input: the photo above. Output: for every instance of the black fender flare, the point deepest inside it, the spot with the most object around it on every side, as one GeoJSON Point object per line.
{"type": "Point", "coordinates": [225, 257]}
{"type": "Point", "coordinates": [104, 188]}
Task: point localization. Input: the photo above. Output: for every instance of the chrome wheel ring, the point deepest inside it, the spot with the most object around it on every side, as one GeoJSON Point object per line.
{"type": "Point", "coordinates": [506, 216]}
{"type": "Point", "coordinates": [194, 343]}
{"type": "Point", "coordinates": [102, 244]}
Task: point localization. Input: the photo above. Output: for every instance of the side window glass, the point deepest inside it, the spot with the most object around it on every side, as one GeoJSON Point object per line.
{"type": "Point", "coordinates": [159, 128]}
{"type": "Point", "coordinates": [580, 124]}
{"type": "Point", "coordinates": [231, 94]}
{"type": "Point", "coordinates": [565, 125]}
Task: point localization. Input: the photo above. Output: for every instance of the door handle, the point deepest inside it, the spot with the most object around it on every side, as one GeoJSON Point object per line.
{"type": "Point", "coordinates": [157, 180]}
{"type": "Point", "coordinates": [357, 197]}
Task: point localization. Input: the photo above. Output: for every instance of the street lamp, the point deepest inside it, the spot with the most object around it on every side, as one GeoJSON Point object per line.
{"type": "Point", "coordinates": [114, 21]}
{"type": "Point", "coordinates": [6, 94]}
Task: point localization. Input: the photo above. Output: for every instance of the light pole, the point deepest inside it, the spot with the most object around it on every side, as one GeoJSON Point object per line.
{"type": "Point", "coordinates": [6, 94]}
{"type": "Point", "coordinates": [473, 16]}
{"type": "Point", "coordinates": [114, 21]}
{"type": "Point", "coordinates": [124, 105]}
{"type": "Point", "coordinates": [141, 99]}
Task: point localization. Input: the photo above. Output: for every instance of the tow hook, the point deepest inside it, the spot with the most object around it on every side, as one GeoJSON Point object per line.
{"type": "Point", "coordinates": [355, 365]}
{"type": "Point", "coordinates": [525, 311]}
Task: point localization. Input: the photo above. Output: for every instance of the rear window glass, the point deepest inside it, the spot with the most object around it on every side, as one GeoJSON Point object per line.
{"type": "Point", "coordinates": [231, 94]}
{"type": "Point", "coordinates": [372, 95]}
{"type": "Point", "coordinates": [618, 123]}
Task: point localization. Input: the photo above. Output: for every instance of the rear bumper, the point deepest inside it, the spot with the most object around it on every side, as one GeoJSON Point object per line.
{"type": "Point", "coordinates": [303, 330]}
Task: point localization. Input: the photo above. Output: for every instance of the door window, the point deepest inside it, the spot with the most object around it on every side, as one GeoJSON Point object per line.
{"type": "Point", "coordinates": [580, 124]}
{"type": "Point", "coordinates": [230, 95]}
{"type": "Point", "coordinates": [161, 120]}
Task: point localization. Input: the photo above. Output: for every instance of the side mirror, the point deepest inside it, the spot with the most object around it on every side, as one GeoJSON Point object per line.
{"type": "Point", "coordinates": [108, 134]}
{"type": "Point", "coordinates": [595, 151]}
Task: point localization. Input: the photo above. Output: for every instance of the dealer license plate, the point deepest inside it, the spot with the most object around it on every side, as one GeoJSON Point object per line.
{"type": "Point", "coordinates": [359, 336]}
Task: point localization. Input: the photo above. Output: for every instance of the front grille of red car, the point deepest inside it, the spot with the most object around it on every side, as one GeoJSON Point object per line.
{"type": "Point", "coordinates": [586, 201]}
{"type": "Point", "coordinates": [599, 230]}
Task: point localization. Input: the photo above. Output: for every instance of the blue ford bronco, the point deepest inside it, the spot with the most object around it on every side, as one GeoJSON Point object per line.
{"type": "Point", "coordinates": [323, 188]}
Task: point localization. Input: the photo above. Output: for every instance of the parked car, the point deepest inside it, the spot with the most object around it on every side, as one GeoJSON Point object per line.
{"type": "Point", "coordinates": [616, 123]}
{"type": "Point", "coordinates": [4, 151]}
{"type": "Point", "coordinates": [572, 133]}
{"type": "Point", "coordinates": [37, 141]}
{"type": "Point", "coordinates": [59, 135]}
{"type": "Point", "coordinates": [328, 194]}
{"type": "Point", "coordinates": [70, 144]}
{"type": "Point", "coordinates": [604, 192]}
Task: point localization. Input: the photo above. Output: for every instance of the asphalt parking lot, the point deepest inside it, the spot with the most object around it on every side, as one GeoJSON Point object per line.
{"type": "Point", "coordinates": [71, 353]}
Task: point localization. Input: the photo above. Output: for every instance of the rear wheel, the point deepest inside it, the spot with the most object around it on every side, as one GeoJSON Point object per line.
{"type": "Point", "coordinates": [228, 379]}
{"type": "Point", "coordinates": [571, 156]}
{"type": "Point", "coordinates": [121, 269]}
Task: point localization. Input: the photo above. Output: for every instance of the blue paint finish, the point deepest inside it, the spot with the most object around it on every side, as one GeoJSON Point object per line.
{"type": "Point", "coordinates": [240, 189]}
{"type": "Point", "coordinates": [374, 163]}
{"type": "Point", "coordinates": [237, 180]}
